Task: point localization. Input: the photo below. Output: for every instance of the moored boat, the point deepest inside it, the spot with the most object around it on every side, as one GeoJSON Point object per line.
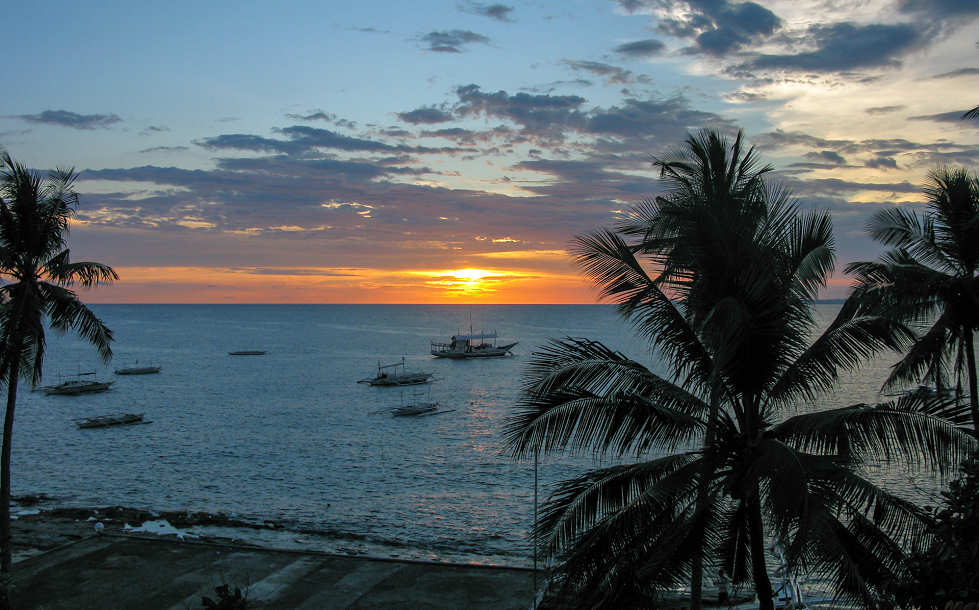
{"type": "Point", "coordinates": [471, 346]}
{"type": "Point", "coordinates": [104, 421]}
{"type": "Point", "coordinates": [418, 408]}
{"type": "Point", "coordinates": [73, 387]}
{"type": "Point", "coordinates": [138, 370]}
{"type": "Point", "coordinates": [396, 375]}
{"type": "Point", "coordinates": [248, 352]}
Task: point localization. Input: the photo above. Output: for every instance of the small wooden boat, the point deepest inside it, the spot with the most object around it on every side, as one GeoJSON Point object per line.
{"type": "Point", "coordinates": [75, 387]}
{"type": "Point", "coordinates": [138, 370]}
{"type": "Point", "coordinates": [104, 421]}
{"type": "Point", "coordinates": [248, 352]}
{"type": "Point", "coordinates": [398, 376]}
{"type": "Point", "coordinates": [418, 408]}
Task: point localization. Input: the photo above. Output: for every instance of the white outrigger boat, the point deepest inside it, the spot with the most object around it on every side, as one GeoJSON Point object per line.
{"type": "Point", "coordinates": [471, 346]}
{"type": "Point", "coordinates": [390, 374]}
{"type": "Point", "coordinates": [74, 387]}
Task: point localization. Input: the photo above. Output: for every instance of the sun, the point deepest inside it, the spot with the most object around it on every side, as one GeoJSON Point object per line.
{"type": "Point", "coordinates": [470, 275]}
{"type": "Point", "coordinates": [466, 282]}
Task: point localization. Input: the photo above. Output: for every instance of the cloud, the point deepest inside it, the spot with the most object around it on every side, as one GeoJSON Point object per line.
{"type": "Point", "coordinates": [955, 116]}
{"type": "Point", "coordinates": [154, 129]}
{"type": "Point", "coordinates": [303, 139]}
{"type": "Point", "coordinates": [500, 12]}
{"type": "Point", "coordinates": [671, 118]}
{"type": "Point", "coordinates": [164, 149]}
{"type": "Point", "coordinates": [827, 156]}
{"type": "Point", "coordinates": [553, 85]}
{"type": "Point", "coordinates": [313, 116]}
{"type": "Point", "coordinates": [427, 115]}
{"type": "Point", "coordinates": [243, 141]}
{"type": "Point", "coordinates": [719, 27]}
{"type": "Point", "coordinates": [612, 74]}
{"type": "Point", "coordinates": [64, 118]}
{"type": "Point", "coordinates": [957, 73]}
{"type": "Point", "coordinates": [882, 163]}
{"type": "Point", "coordinates": [452, 41]}
{"type": "Point", "coordinates": [876, 110]}
{"type": "Point", "coordinates": [843, 46]}
{"type": "Point", "coordinates": [743, 96]}
{"type": "Point", "coordinates": [836, 186]}
{"type": "Point", "coordinates": [940, 8]}
{"type": "Point", "coordinates": [534, 112]}
{"type": "Point", "coordinates": [641, 48]}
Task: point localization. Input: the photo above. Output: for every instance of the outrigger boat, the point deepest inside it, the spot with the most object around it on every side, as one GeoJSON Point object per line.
{"type": "Point", "coordinates": [471, 346]}
{"type": "Point", "coordinates": [104, 421]}
{"type": "Point", "coordinates": [419, 405]}
{"type": "Point", "coordinates": [418, 408]}
{"type": "Point", "coordinates": [138, 370]}
{"type": "Point", "coordinates": [73, 387]}
{"type": "Point", "coordinates": [396, 376]}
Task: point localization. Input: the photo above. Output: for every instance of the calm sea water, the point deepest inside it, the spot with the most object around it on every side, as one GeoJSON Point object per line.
{"type": "Point", "coordinates": [290, 436]}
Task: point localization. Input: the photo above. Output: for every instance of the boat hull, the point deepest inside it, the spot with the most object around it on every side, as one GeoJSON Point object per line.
{"type": "Point", "coordinates": [487, 352]}
{"type": "Point", "coordinates": [138, 370]}
{"type": "Point", "coordinates": [405, 380]}
{"type": "Point", "coordinates": [105, 421]}
{"type": "Point", "coordinates": [75, 389]}
{"type": "Point", "coordinates": [417, 409]}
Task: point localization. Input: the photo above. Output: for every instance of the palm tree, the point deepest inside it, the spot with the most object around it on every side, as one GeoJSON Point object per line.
{"type": "Point", "coordinates": [717, 468]}
{"type": "Point", "coordinates": [36, 264]}
{"type": "Point", "coordinates": [930, 278]}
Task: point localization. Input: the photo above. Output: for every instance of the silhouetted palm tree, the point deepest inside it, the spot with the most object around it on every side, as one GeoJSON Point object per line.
{"type": "Point", "coordinates": [36, 266]}
{"type": "Point", "coordinates": [930, 278]}
{"type": "Point", "coordinates": [719, 470]}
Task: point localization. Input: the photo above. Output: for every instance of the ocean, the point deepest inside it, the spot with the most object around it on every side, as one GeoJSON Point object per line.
{"type": "Point", "coordinates": [291, 436]}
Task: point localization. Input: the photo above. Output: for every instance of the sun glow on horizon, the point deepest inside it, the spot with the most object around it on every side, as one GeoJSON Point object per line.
{"type": "Point", "coordinates": [247, 284]}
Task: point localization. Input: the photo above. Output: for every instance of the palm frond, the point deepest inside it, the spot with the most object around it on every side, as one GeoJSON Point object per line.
{"type": "Point", "coordinates": [66, 312]}
{"type": "Point", "coordinates": [849, 340]}
{"type": "Point", "coordinates": [907, 429]}
{"type": "Point", "coordinates": [578, 504]}
{"type": "Point", "coordinates": [582, 395]}
{"type": "Point", "coordinates": [926, 358]}
{"type": "Point", "coordinates": [904, 229]}
{"type": "Point", "coordinates": [837, 554]}
{"type": "Point", "coordinates": [87, 274]}
{"type": "Point", "coordinates": [645, 541]}
{"type": "Point", "coordinates": [612, 264]}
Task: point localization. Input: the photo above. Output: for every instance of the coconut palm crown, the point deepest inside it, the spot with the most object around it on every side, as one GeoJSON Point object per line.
{"type": "Point", "coordinates": [732, 449]}
{"type": "Point", "coordinates": [929, 279]}
{"type": "Point", "coordinates": [37, 270]}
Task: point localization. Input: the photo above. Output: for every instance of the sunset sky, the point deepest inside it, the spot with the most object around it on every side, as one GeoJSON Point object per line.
{"type": "Point", "coordinates": [447, 152]}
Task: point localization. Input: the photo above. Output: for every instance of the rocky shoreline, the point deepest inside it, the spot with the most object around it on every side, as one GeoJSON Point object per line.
{"type": "Point", "coordinates": [40, 523]}
{"type": "Point", "coordinates": [37, 529]}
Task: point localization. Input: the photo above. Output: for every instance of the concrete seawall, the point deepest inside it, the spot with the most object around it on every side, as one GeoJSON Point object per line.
{"type": "Point", "coordinates": [116, 571]}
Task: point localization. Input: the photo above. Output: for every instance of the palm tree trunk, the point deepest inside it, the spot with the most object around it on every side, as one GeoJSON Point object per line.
{"type": "Point", "coordinates": [8, 433]}
{"type": "Point", "coordinates": [697, 569]}
{"type": "Point", "coordinates": [970, 357]}
{"type": "Point", "coordinates": [703, 486]}
{"type": "Point", "coordinates": [759, 569]}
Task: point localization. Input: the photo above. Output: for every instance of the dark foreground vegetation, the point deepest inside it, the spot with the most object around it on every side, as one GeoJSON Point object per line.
{"type": "Point", "coordinates": [733, 448]}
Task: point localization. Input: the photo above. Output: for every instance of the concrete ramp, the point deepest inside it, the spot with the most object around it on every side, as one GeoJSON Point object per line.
{"type": "Point", "coordinates": [111, 571]}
